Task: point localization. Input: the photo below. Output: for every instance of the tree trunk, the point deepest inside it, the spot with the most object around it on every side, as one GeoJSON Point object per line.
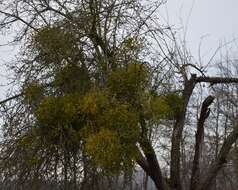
{"type": "Point", "coordinates": [205, 111]}
{"type": "Point", "coordinates": [220, 161]}
{"type": "Point", "coordinates": [177, 135]}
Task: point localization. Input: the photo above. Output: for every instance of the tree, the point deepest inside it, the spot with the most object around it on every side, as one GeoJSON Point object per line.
{"type": "Point", "coordinates": [95, 79]}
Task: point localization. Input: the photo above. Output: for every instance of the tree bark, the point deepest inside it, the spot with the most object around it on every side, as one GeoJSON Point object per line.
{"type": "Point", "coordinates": [149, 163]}
{"type": "Point", "coordinates": [180, 121]}
{"type": "Point", "coordinates": [206, 184]}
{"type": "Point", "coordinates": [205, 111]}
{"type": "Point", "coordinates": [177, 135]}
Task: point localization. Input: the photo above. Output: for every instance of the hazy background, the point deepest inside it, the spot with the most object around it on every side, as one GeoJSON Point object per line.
{"type": "Point", "coordinates": [212, 22]}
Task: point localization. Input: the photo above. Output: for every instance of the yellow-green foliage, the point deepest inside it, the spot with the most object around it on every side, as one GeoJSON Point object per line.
{"type": "Point", "coordinates": [26, 141]}
{"type": "Point", "coordinates": [94, 102]}
{"type": "Point", "coordinates": [107, 118]}
{"type": "Point", "coordinates": [29, 144]}
{"type": "Point", "coordinates": [166, 106]}
{"type": "Point", "coordinates": [104, 147]}
{"type": "Point", "coordinates": [124, 120]}
{"type": "Point", "coordinates": [175, 102]}
{"type": "Point", "coordinates": [54, 44]}
{"type": "Point", "coordinates": [108, 152]}
{"type": "Point", "coordinates": [113, 146]}
{"type": "Point", "coordinates": [131, 48]}
{"type": "Point", "coordinates": [129, 82]}
{"type": "Point", "coordinates": [159, 108]}
{"type": "Point", "coordinates": [72, 78]}
{"type": "Point", "coordinates": [48, 112]}
{"type": "Point", "coordinates": [95, 95]}
{"type": "Point", "coordinates": [59, 119]}
{"type": "Point", "coordinates": [55, 111]}
{"type": "Point", "coordinates": [105, 111]}
{"type": "Point", "coordinates": [33, 93]}
{"type": "Point", "coordinates": [132, 44]}
{"type": "Point", "coordinates": [89, 104]}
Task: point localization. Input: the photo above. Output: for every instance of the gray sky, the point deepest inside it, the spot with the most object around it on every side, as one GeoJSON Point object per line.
{"type": "Point", "coordinates": [215, 19]}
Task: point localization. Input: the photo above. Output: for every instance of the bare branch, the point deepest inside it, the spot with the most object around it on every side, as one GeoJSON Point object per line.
{"type": "Point", "coordinates": [216, 80]}
{"type": "Point", "coordinates": [10, 98]}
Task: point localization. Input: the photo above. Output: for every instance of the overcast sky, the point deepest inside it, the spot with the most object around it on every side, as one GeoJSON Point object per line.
{"type": "Point", "coordinates": [215, 19]}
